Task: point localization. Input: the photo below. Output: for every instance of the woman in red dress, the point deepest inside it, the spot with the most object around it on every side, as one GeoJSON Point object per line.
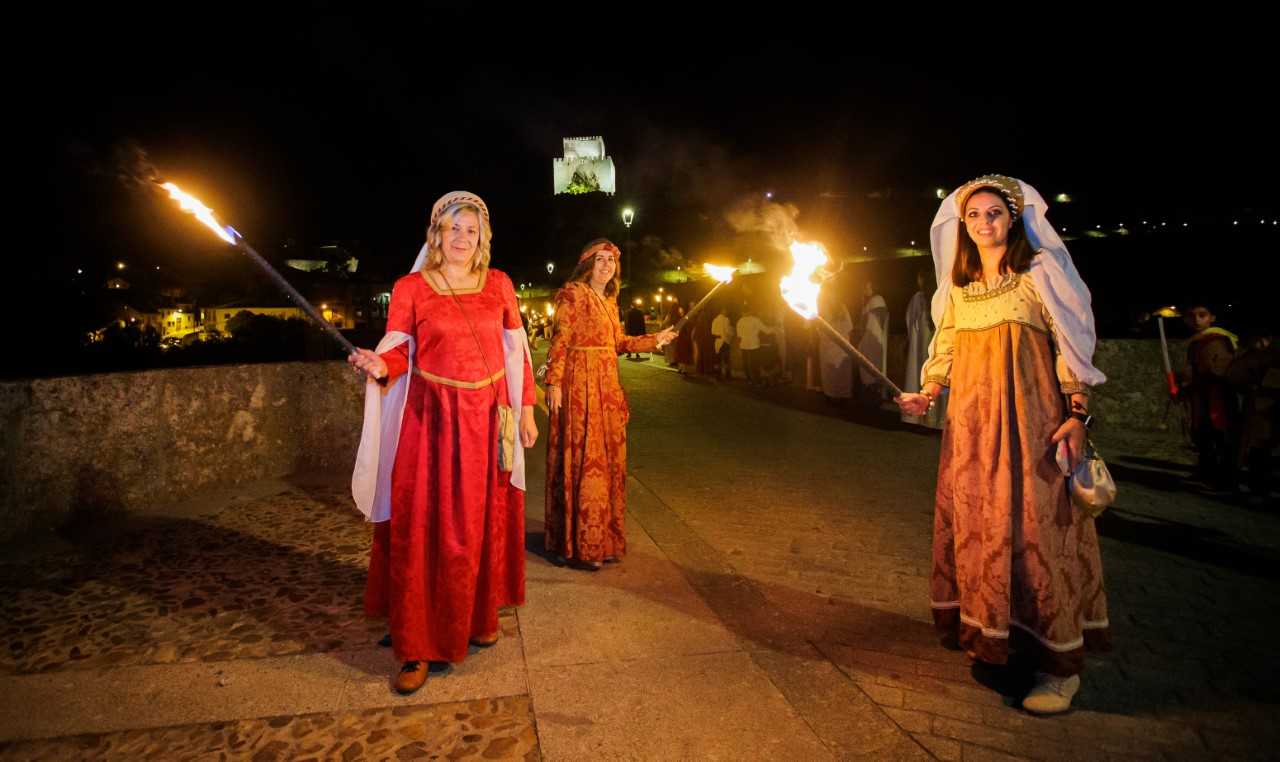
{"type": "Point", "coordinates": [587, 439]}
{"type": "Point", "coordinates": [448, 545]}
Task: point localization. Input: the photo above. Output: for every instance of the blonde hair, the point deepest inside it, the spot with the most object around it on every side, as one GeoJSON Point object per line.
{"type": "Point", "coordinates": [449, 217]}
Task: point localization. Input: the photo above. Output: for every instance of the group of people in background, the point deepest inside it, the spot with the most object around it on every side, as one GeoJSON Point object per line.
{"type": "Point", "coordinates": [733, 337]}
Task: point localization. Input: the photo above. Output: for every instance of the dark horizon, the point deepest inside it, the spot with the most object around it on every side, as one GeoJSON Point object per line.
{"type": "Point", "coordinates": [324, 127]}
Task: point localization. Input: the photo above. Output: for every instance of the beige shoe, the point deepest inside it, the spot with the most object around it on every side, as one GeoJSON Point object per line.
{"type": "Point", "coordinates": [1051, 694]}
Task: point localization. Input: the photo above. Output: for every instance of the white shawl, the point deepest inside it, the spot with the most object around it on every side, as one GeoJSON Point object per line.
{"type": "Point", "coordinates": [1063, 293]}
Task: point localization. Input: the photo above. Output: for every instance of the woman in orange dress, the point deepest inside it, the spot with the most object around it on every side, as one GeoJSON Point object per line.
{"type": "Point", "coordinates": [1016, 566]}
{"type": "Point", "coordinates": [587, 439]}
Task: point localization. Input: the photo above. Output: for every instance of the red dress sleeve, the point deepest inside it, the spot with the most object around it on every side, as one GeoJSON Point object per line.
{"type": "Point", "coordinates": [561, 337]}
{"type": "Point", "coordinates": [400, 317]}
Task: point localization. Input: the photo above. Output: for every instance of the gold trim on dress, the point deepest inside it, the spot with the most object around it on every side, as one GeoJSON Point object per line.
{"type": "Point", "coordinates": [460, 384]}
{"type": "Point", "coordinates": [484, 275]}
{"type": "Point", "coordinates": [998, 323]}
{"type": "Point", "coordinates": [590, 349]}
{"type": "Point", "coordinates": [972, 293]}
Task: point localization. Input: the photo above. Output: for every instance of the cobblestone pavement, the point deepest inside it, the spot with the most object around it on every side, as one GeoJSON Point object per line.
{"type": "Point", "coordinates": [274, 577]}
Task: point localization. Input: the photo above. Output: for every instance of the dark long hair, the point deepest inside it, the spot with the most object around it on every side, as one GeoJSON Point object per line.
{"type": "Point", "coordinates": [582, 273]}
{"type": "Point", "coordinates": [1017, 254]}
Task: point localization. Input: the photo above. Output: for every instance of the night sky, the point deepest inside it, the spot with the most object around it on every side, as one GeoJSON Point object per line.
{"type": "Point", "coordinates": [314, 126]}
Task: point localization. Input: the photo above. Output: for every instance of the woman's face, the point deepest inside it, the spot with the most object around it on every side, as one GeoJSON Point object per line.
{"type": "Point", "coordinates": [606, 263]}
{"type": "Point", "coordinates": [987, 220]}
{"type": "Point", "coordinates": [460, 237]}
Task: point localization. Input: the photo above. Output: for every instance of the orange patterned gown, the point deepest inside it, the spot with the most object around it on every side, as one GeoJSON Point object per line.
{"type": "Point", "coordinates": [453, 552]}
{"type": "Point", "coordinates": [1016, 566]}
{"type": "Point", "coordinates": [587, 442]}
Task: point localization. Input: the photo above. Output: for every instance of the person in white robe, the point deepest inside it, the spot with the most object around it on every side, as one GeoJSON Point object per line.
{"type": "Point", "coordinates": [836, 365]}
{"type": "Point", "coordinates": [919, 335]}
{"type": "Point", "coordinates": [874, 342]}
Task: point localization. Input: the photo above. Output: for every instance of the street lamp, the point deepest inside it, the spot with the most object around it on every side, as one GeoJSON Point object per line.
{"type": "Point", "coordinates": [551, 268]}
{"type": "Point", "coordinates": [628, 215]}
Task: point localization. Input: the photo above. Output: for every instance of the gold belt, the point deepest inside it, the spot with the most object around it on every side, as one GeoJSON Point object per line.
{"type": "Point", "coordinates": [461, 384]}
{"type": "Point", "coordinates": [591, 349]}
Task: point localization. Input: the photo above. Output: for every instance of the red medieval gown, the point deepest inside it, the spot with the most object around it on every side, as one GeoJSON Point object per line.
{"type": "Point", "coordinates": [452, 553]}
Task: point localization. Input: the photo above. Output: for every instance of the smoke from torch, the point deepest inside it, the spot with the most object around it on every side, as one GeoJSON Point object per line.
{"type": "Point", "coordinates": [778, 221]}
{"type": "Point", "coordinates": [133, 167]}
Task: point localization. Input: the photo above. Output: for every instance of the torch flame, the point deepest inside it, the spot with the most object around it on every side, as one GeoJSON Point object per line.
{"type": "Point", "coordinates": [720, 272]}
{"type": "Point", "coordinates": [800, 286]}
{"type": "Point", "coordinates": [190, 203]}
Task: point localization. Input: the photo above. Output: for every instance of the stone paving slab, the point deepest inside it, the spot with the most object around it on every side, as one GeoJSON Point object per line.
{"type": "Point", "coordinates": [840, 713]}
{"type": "Point", "coordinates": [779, 639]}
{"type": "Point", "coordinates": [113, 699]}
{"type": "Point", "coordinates": [495, 729]}
{"type": "Point", "coordinates": [637, 608]}
{"type": "Point", "coordinates": [714, 706]}
{"type": "Point", "coordinates": [159, 695]}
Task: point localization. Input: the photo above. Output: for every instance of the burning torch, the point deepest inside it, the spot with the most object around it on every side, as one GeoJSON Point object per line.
{"type": "Point", "coordinates": [800, 289]}
{"type": "Point", "coordinates": [723, 275]}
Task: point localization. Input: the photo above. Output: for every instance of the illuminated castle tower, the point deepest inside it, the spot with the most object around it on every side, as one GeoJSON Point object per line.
{"type": "Point", "coordinates": [585, 168]}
